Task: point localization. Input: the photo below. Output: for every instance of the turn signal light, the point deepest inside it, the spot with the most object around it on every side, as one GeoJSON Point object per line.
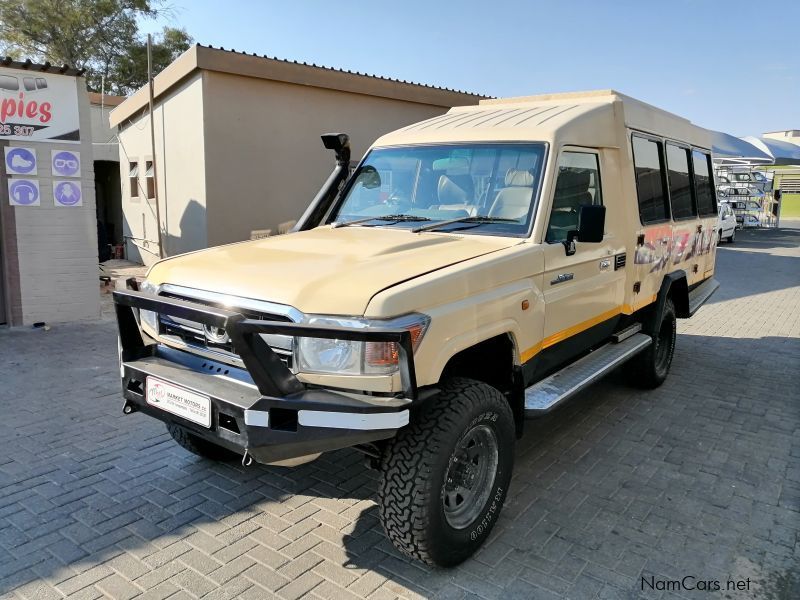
{"type": "Point", "coordinates": [387, 354]}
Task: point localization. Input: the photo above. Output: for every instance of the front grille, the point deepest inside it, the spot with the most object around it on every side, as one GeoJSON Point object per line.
{"type": "Point", "coordinates": [193, 336]}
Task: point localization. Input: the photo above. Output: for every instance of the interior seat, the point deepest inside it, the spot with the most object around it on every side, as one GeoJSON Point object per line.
{"type": "Point", "coordinates": [514, 200]}
{"type": "Point", "coordinates": [456, 192]}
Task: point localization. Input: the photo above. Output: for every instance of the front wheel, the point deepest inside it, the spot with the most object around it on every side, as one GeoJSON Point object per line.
{"type": "Point", "coordinates": [446, 475]}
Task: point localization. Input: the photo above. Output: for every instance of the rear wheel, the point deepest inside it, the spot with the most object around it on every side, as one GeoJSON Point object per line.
{"type": "Point", "coordinates": [650, 368]}
{"type": "Point", "coordinates": [199, 446]}
{"type": "Point", "coordinates": [446, 475]}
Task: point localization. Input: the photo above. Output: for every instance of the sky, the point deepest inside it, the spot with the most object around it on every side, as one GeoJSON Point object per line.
{"type": "Point", "coordinates": [722, 64]}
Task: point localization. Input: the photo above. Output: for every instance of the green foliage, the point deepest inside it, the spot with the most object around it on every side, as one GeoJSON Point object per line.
{"type": "Point", "coordinates": [101, 36]}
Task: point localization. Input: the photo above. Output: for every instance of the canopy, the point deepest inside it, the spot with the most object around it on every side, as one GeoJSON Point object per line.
{"type": "Point", "coordinates": [781, 153]}
{"type": "Point", "coordinates": [729, 149]}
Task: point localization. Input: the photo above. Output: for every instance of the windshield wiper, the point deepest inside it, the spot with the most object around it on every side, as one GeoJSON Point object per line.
{"type": "Point", "coordinates": [475, 220]}
{"type": "Point", "coordinates": [396, 218]}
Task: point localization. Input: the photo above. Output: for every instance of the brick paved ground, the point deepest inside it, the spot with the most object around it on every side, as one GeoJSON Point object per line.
{"type": "Point", "coordinates": [701, 478]}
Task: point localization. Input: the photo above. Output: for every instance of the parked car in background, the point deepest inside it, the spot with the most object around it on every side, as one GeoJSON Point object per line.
{"type": "Point", "coordinates": [727, 223]}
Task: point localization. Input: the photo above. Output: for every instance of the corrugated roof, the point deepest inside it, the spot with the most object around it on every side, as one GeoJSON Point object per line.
{"type": "Point", "coordinates": [339, 70]}
{"type": "Point", "coordinates": [29, 65]}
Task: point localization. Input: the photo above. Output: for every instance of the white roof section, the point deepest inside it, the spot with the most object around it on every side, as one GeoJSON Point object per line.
{"type": "Point", "coordinates": [729, 149]}
{"type": "Point", "coordinates": [782, 153]}
{"type": "Point", "coordinates": [592, 119]}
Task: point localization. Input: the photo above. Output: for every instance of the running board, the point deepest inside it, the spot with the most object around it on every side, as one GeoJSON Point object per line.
{"type": "Point", "coordinates": [699, 295]}
{"type": "Point", "coordinates": [548, 393]}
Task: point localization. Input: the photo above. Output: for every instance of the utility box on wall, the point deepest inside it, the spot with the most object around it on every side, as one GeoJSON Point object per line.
{"type": "Point", "coordinates": [48, 226]}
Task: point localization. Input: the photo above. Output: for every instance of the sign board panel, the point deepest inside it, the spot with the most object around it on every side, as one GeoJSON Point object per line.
{"type": "Point", "coordinates": [38, 107]}
{"type": "Point", "coordinates": [66, 163]}
{"type": "Point", "coordinates": [23, 192]}
{"type": "Point", "coordinates": [20, 161]}
{"type": "Point", "coordinates": [67, 193]}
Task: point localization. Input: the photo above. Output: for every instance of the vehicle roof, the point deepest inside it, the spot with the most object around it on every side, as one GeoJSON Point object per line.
{"type": "Point", "coordinates": [596, 119]}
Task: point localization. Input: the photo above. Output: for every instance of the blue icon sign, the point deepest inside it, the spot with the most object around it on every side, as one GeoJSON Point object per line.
{"type": "Point", "coordinates": [66, 163]}
{"type": "Point", "coordinates": [20, 161]}
{"type": "Point", "coordinates": [23, 192]}
{"type": "Point", "coordinates": [67, 193]}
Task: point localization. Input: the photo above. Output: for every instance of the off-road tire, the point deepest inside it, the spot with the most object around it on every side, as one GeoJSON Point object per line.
{"type": "Point", "coordinates": [417, 462]}
{"type": "Point", "coordinates": [199, 446]}
{"type": "Point", "coordinates": [650, 368]}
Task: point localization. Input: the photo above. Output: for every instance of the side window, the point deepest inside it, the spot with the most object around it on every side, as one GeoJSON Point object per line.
{"type": "Point", "coordinates": [29, 83]}
{"type": "Point", "coordinates": [577, 184]}
{"type": "Point", "coordinates": [648, 166]}
{"type": "Point", "coordinates": [133, 179]}
{"type": "Point", "coordinates": [703, 184]}
{"type": "Point", "coordinates": [150, 179]}
{"type": "Point", "coordinates": [7, 82]}
{"type": "Point", "coordinates": [680, 182]}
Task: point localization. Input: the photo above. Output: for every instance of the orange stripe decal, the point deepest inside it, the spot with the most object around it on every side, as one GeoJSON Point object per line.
{"type": "Point", "coordinates": [552, 340]}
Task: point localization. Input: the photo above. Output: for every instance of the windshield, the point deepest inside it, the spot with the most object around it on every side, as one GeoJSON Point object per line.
{"type": "Point", "coordinates": [476, 188]}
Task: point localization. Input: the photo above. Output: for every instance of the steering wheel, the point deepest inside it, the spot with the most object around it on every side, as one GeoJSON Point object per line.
{"type": "Point", "coordinates": [398, 203]}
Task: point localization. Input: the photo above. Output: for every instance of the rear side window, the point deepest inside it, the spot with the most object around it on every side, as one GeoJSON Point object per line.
{"type": "Point", "coordinates": [703, 185]}
{"type": "Point", "coordinates": [680, 182]}
{"type": "Point", "coordinates": [648, 165]}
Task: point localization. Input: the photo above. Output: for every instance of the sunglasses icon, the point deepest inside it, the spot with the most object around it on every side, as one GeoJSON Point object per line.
{"type": "Point", "coordinates": [69, 163]}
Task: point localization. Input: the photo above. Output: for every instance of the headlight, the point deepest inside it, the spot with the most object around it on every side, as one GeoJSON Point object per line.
{"type": "Point", "coordinates": [318, 355]}
{"type": "Point", "coordinates": [148, 317]}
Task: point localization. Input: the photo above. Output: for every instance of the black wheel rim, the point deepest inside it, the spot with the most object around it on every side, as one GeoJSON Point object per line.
{"type": "Point", "coordinates": [470, 476]}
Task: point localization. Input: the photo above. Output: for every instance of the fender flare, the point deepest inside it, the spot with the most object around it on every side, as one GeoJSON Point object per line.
{"type": "Point", "coordinates": [676, 285]}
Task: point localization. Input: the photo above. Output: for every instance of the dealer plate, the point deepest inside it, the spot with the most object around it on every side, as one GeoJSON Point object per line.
{"type": "Point", "coordinates": [179, 401]}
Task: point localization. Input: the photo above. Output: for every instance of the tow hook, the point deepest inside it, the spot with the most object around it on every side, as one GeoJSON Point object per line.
{"type": "Point", "coordinates": [247, 460]}
{"type": "Point", "coordinates": [128, 408]}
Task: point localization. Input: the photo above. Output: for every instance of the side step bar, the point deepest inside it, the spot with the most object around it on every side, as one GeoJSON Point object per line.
{"type": "Point", "coordinates": [548, 393]}
{"type": "Point", "coordinates": [699, 295]}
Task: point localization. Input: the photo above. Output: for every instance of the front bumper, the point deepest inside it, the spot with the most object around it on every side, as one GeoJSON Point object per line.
{"type": "Point", "coordinates": [262, 411]}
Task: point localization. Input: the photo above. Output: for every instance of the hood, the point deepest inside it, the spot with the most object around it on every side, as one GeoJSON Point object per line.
{"type": "Point", "coordinates": [324, 270]}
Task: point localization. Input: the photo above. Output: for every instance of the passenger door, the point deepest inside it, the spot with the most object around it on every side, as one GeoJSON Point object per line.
{"type": "Point", "coordinates": [583, 290]}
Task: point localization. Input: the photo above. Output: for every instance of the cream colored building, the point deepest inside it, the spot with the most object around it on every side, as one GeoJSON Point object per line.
{"type": "Point", "coordinates": [237, 143]}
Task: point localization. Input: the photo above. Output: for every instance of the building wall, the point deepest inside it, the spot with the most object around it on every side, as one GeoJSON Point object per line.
{"type": "Point", "coordinates": [104, 138]}
{"type": "Point", "coordinates": [54, 262]}
{"type": "Point", "coordinates": [264, 158]}
{"type": "Point", "coordinates": [180, 173]}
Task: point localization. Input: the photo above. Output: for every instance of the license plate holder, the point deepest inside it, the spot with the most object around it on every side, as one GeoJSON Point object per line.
{"type": "Point", "coordinates": [179, 401]}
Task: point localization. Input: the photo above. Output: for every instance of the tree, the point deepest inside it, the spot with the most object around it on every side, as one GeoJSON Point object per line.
{"type": "Point", "coordinates": [100, 36]}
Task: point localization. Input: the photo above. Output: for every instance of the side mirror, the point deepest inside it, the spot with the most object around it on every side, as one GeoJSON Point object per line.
{"type": "Point", "coordinates": [591, 226]}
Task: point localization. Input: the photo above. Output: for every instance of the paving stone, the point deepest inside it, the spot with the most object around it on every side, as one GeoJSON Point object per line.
{"type": "Point", "coordinates": [700, 476]}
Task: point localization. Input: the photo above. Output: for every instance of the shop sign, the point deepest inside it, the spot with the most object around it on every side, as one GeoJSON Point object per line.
{"type": "Point", "coordinates": [38, 107]}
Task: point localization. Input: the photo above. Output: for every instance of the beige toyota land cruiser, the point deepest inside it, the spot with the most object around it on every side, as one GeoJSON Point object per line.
{"type": "Point", "coordinates": [476, 269]}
